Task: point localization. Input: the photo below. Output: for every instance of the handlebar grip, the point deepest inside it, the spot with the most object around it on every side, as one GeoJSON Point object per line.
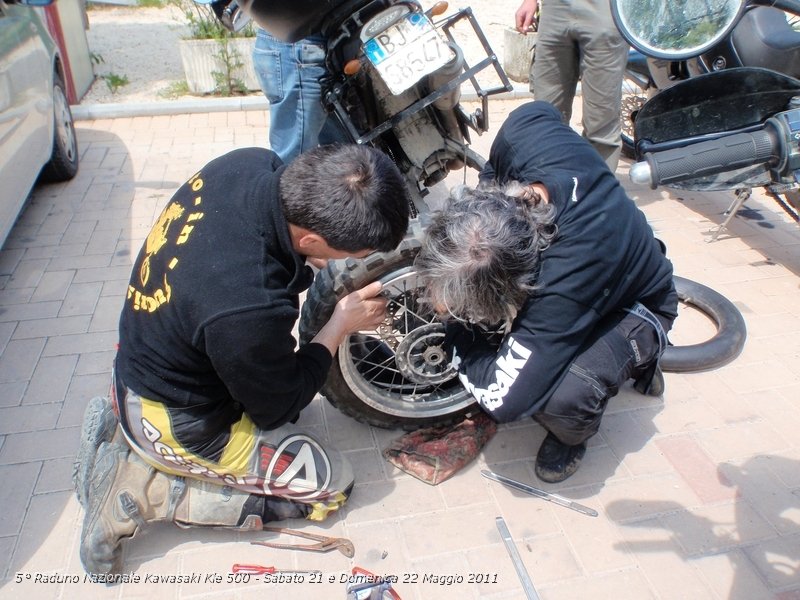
{"type": "Point", "coordinates": [706, 158]}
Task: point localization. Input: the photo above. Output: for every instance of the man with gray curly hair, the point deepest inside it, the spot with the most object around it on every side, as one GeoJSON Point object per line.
{"type": "Point", "coordinates": [551, 247]}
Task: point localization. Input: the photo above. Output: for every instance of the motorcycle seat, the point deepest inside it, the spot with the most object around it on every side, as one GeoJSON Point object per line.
{"type": "Point", "coordinates": [765, 39]}
{"type": "Point", "coordinates": [292, 20]}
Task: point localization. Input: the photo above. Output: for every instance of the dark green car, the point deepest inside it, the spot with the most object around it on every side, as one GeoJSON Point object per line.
{"type": "Point", "coordinates": [37, 135]}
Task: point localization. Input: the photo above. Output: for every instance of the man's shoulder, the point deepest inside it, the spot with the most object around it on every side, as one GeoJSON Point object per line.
{"type": "Point", "coordinates": [535, 132]}
{"type": "Point", "coordinates": [261, 158]}
{"type": "Point", "coordinates": [534, 110]}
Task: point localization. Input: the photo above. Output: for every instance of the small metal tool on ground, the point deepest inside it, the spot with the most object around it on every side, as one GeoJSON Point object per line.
{"type": "Point", "coordinates": [260, 570]}
{"type": "Point", "coordinates": [324, 543]}
{"type": "Point", "coordinates": [363, 585]}
{"type": "Point", "coordinates": [522, 573]}
{"type": "Point", "coordinates": [522, 487]}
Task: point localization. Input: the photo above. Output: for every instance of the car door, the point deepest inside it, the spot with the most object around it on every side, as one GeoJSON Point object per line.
{"type": "Point", "coordinates": [26, 107]}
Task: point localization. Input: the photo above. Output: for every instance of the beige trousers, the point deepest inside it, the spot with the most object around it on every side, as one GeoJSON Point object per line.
{"type": "Point", "coordinates": [578, 40]}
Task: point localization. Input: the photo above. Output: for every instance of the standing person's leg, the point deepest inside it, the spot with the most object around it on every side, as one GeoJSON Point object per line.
{"type": "Point", "coordinates": [604, 54]}
{"type": "Point", "coordinates": [623, 347]}
{"type": "Point", "coordinates": [318, 126]}
{"type": "Point", "coordinates": [554, 74]}
{"type": "Point", "coordinates": [289, 77]}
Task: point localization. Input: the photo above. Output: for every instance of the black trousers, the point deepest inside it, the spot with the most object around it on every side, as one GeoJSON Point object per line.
{"type": "Point", "coordinates": [623, 347]}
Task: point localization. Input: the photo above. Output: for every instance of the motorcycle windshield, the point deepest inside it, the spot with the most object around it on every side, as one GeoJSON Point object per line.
{"type": "Point", "coordinates": [712, 105]}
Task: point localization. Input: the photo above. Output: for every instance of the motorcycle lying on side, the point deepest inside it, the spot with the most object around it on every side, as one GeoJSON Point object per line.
{"type": "Point", "coordinates": [711, 97]}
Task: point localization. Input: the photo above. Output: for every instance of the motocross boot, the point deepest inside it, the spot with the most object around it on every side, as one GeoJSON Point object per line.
{"type": "Point", "coordinates": [126, 493]}
{"type": "Point", "coordinates": [123, 494]}
{"type": "Point", "coordinates": [556, 461]}
{"type": "Point", "coordinates": [99, 425]}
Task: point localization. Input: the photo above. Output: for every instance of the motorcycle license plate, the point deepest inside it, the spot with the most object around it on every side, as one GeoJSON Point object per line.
{"type": "Point", "coordinates": [407, 51]}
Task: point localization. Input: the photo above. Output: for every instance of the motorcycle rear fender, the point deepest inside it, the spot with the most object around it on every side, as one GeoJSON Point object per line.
{"type": "Point", "coordinates": [420, 96]}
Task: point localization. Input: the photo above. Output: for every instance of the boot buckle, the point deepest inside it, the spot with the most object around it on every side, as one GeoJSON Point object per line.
{"type": "Point", "coordinates": [131, 510]}
{"type": "Point", "coordinates": [176, 491]}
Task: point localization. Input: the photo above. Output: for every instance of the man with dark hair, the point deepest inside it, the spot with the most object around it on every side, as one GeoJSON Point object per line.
{"type": "Point", "coordinates": [207, 380]}
{"type": "Point", "coordinates": [551, 246]}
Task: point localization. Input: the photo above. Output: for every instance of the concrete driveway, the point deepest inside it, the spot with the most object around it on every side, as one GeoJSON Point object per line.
{"type": "Point", "coordinates": [698, 492]}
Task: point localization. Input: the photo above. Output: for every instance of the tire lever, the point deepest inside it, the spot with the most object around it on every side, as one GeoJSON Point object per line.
{"type": "Point", "coordinates": [522, 573]}
{"type": "Point", "coordinates": [555, 498]}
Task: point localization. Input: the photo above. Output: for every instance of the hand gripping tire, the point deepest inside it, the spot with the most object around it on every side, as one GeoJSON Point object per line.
{"type": "Point", "coordinates": [397, 376]}
{"type": "Point", "coordinates": [723, 347]}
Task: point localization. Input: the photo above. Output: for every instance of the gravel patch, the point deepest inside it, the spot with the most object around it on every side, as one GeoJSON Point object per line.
{"type": "Point", "coordinates": [138, 43]}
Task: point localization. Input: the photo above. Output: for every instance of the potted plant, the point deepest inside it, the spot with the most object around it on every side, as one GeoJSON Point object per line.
{"type": "Point", "coordinates": [214, 59]}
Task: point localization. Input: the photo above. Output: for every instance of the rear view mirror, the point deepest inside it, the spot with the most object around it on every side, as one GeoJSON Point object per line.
{"type": "Point", "coordinates": [675, 29]}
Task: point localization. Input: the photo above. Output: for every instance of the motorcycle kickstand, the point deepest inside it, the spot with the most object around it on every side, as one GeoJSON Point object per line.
{"type": "Point", "coordinates": [742, 195]}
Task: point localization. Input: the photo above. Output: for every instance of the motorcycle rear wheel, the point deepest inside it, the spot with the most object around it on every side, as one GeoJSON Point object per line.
{"type": "Point", "coordinates": [398, 377]}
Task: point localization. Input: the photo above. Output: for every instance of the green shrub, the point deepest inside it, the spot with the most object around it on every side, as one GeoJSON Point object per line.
{"type": "Point", "coordinates": [203, 23]}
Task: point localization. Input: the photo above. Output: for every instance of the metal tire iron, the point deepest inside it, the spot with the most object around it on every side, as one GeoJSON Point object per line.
{"type": "Point", "coordinates": [555, 498]}
{"type": "Point", "coordinates": [522, 573]}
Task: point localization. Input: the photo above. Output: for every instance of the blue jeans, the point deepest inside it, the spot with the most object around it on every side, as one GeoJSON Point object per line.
{"type": "Point", "coordinates": [289, 77]}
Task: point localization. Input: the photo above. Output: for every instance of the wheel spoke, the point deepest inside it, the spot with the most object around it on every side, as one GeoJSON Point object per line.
{"type": "Point", "coordinates": [406, 294]}
{"type": "Point", "coordinates": [384, 366]}
{"type": "Point", "coordinates": [416, 315]}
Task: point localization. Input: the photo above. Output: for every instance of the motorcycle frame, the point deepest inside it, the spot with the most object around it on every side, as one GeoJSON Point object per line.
{"type": "Point", "coordinates": [792, 6]}
{"type": "Point", "coordinates": [681, 69]}
{"type": "Point", "coordinates": [726, 49]}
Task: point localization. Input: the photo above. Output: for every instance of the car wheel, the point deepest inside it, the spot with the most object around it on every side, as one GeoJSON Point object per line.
{"type": "Point", "coordinates": [63, 163]}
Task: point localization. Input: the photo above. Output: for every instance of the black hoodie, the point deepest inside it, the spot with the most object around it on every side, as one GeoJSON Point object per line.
{"type": "Point", "coordinates": [207, 324]}
{"type": "Point", "coordinates": [604, 258]}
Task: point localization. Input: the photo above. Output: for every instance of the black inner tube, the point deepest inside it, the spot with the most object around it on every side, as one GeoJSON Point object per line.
{"type": "Point", "coordinates": [720, 349]}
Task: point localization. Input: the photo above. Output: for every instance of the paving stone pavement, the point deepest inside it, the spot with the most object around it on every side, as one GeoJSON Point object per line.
{"type": "Point", "coordinates": [698, 492]}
